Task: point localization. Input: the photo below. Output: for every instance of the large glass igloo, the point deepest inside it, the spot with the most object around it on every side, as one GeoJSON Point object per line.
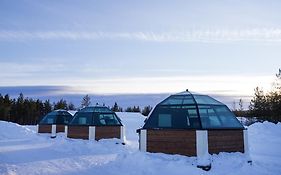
{"type": "Point", "coordinates": [193, 125]}
{"type": "Point", "coordinates": [188, 110]}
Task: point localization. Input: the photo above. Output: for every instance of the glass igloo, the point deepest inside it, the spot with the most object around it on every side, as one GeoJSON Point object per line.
{"type": "Point", "coordinates": [57, 117]}
{"type": "Point", "coordinates": [95, 123]}
{"type": "Point", "coordinates": [54, 121]}
{"type": "Point", "coordinates": [96, 116]}
{"type": "Point", "coordinates": [188, 110]}
{"type": "Point", "coordinates": [193, 125]}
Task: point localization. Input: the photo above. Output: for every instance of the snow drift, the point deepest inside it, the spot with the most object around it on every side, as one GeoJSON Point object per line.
{"type": "Point", "coordinates": [23, 151]}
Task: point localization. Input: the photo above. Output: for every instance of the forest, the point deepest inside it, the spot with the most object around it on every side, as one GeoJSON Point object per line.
{"type": "Point", "coordinates": [28, 111]}
{"type": "Point", "coordinates": [264, 106]}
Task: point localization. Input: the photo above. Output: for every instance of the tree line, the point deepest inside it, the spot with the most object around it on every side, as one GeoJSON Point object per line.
{"type": "Point", "coordinates": [28, 111]}
{"type": "Point", "coordinates": [265, 106]}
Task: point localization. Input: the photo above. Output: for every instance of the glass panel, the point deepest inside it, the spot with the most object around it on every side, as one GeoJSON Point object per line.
{"type": "Point", "coordinates": [193, 118]}
{"type": "Point", "coordinates": [192, 113]}
{"type": "Point", "coordinates": [164, 120]}
{"type": "Point", "coordinates": [60, 119]}
{"type": "Point", "coordinates": [108, 119]}
{"type": "Point", "coordinates": [173, 100]}
{"type": "Point", "coordinates": [83, 118]}
{"type": "Point", "coordinates": [204, 99]}
{"type": "Point", "coordinates": [180, 118]}
{"type": "Point", "coordinates": [218, 117]}
{"type": "Point", "coordinates": [177, 107]}
{"type": "Point", "coordinates": [227, 118]}
{"type": "Point", "coordinates": [95, 109]}
{"type": "Point", "coordinates": [101, 109]}
{"type": "Point", "coordinates": [48, 119]}
{"type": "Point", "coordinates": [189, 107]}
{"type": "Point", "coordinates": [188, 100]}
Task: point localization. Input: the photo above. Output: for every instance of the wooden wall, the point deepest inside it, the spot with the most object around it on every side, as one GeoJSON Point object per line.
{"type": "Point", "coordinates": [78, 132]}
{"type": "Point", "coordinates": [60, 128]}
{"type": "Point", "coordinates": [102, 132]}
{"type": "Point", "coordinates": [225, 141]}
{"type": "Point", "coordinates": [44, 128]}
{"type": "Point", "coordinates": [48, 128]}
{"type": "Point", "coordinates": [172, 141]}
{"type": "Point", "coordinates": [106, 132]}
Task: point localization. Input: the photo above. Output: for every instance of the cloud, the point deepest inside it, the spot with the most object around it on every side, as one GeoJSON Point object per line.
{"type": "Point", "coordinates": [55, 93]}
{"type": "Point", "coordinates": [215, 35]}
{"type": "Point", "coordinates": [33, 91]}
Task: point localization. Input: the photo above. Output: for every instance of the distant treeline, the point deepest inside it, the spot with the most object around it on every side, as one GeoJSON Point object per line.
{"type": "Point", "coordinates": [28, 111]}
{"type": "Point", "coordinates": [264, 106]}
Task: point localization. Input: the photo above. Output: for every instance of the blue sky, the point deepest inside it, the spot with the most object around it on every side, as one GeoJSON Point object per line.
{"type": "Point", "coordinates": [116, 47]}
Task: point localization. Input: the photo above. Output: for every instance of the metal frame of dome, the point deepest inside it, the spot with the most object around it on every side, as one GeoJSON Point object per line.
{"type": "Point", "coordinates": [54, 122]}
{"type": "Point", "coordinates": [178, 125]}
{"type": "Point", "coordinates": [204, 111]}
{"type": "Point", "coordinates": [95, 123]}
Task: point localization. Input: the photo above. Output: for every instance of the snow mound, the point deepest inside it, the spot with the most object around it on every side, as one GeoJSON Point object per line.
{"type": "Point", "coordinates": [72, 112]}
{"type": "Point", "coordinates": [9, 130]}
{"type": "Point", "coordinates": [268, 128]}
{"type": "Point", "coordinates": [39, 154]}
{"type": "Point", "coordinates": [132, 121]}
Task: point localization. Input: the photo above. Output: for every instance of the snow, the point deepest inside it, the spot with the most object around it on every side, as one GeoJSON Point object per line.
{"type": "Point", "coordinates": [72, 112]}
{"type": "Point", "coordinates": [23, 151]}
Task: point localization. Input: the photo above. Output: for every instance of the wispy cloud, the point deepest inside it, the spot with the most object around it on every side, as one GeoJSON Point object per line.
{"type": "Point", "coordinates": [222, 35]}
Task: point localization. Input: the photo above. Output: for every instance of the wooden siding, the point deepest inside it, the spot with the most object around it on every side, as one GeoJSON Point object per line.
{"type": "Point", "coordinates": [225, 141]}
{"type": "Point", "coordinates": [172, 141]}
{"type": "Point", "coordinates": [44, 128]}
{"type": "Point", "coordinates": [78, 132]}
{"type": "Point", "coordinates": [107, 132]}
{"type": "Point", "coordinates": [60, 128]}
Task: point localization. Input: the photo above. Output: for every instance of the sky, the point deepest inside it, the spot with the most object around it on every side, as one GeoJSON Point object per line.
{"type": "Point", "coordinates": [225, 47]}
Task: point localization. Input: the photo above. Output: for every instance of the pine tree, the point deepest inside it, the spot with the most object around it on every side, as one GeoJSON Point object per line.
{"type": "Point", "coordinates": [128, 109]}
{"type": "Point", "coordinates": [71, 106]}
{"type": "Point", "coordinates": [258, 105]}
{"type": "Point", "coordinates": [62, 104]}
{"type": "Point", "coordinates": [47, 107]}
{"type": "Point", "coordinates": [116, 108]}
{"type": "Point", "coordinates": [146, 110]}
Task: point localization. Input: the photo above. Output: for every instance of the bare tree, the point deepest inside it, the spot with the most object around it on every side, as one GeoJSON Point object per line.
{"type": "Point", "coordinates": [241, 104]}
{"type": "Point", "coordinates": [86, 101]}
{"type": "Point", "coordinates": [234, 105]}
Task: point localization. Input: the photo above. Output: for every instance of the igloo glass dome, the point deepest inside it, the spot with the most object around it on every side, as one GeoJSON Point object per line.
{"type": "Point", "coordinates": [57, 117]}
{"type": "Point", "coordinates": [188, 110]}
{"type": "Point", "coordinates": [95, 123]}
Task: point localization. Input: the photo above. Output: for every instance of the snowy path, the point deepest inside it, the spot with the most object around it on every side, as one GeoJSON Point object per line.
{"type": "Point", "coordinates": [22, 151]}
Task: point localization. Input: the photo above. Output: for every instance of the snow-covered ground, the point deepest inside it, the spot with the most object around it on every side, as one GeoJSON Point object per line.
{"type": "Point", "coordinates": [22, 151]}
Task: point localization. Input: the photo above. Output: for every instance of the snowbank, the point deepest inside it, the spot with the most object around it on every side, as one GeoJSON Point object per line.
{"type": "Point", "coordinates": [9, 130]}
{"type": "Point", "coordinates": [132, 121]}
{"type": "Point", "coordinates": [33, 155]}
